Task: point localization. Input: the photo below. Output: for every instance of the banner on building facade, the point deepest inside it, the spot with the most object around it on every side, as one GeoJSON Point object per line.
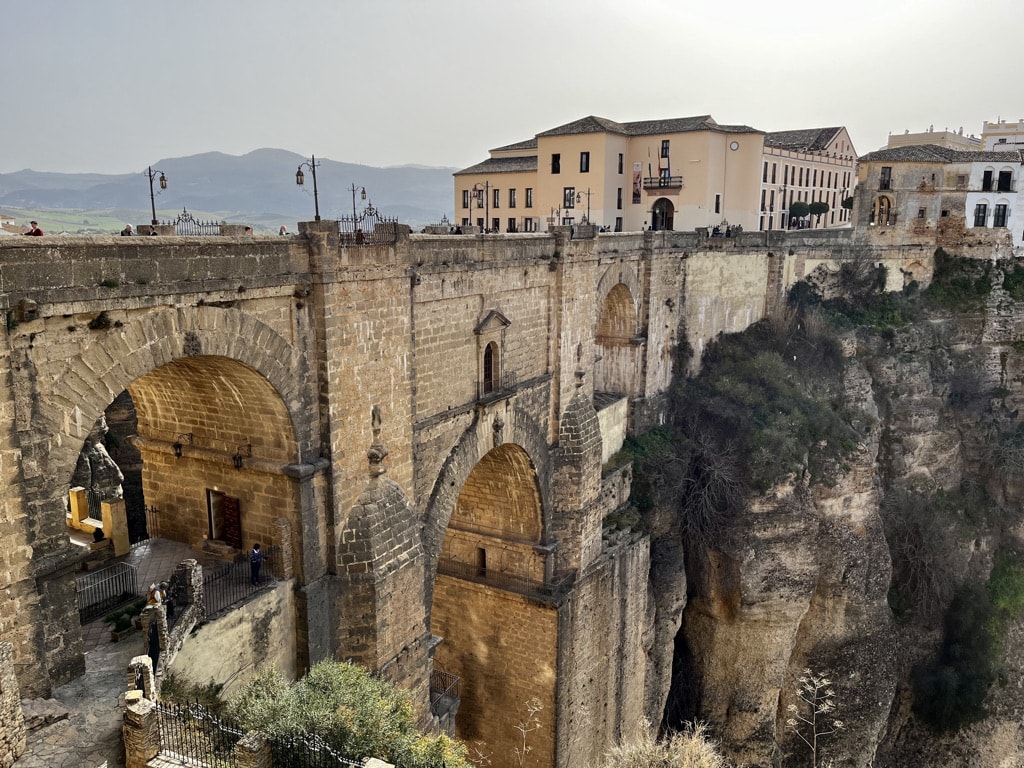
{"type": "Point", "coordinates": [638, 182]}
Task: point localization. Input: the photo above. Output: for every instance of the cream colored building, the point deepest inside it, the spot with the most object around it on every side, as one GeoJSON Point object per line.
{"type": "Point", "coordinates": [1001, 136]}
{"type": "Point", "coordinates": [809, 165]}
{"type": "Point", "coordinates": [947, 139]}
{"type": "Point", "coordinates": [678, 173]}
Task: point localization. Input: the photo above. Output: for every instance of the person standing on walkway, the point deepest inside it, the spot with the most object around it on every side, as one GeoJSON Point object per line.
{"type": "Point", "coordinates": [34, 231]}
{"type": "Point", "coordinates": [255, 561]}
{"type": "Point", "coordinates": [127, 231]}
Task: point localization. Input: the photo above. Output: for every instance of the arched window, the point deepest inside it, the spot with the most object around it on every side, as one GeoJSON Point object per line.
{"type": "Point", "coordinates": [881, 212]}
{"type": "Point", "coordinates": [490, 367]}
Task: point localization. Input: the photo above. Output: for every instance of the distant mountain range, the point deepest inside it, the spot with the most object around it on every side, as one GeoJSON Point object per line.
{"type": "Point", "coordinates": [256, 187]}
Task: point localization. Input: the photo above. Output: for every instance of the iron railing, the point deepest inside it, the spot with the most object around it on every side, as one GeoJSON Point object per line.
{"type": "Point", "coordinates": [308, 751]}
{"type": "Point", "coordinates": [102, 591]}
{"type": "Point", "coordinates": [187, 224]}
{"type": "Point", "coordinates": [230, 583]}
{"type": "Point", "coordinates": [507, 382]}
{"type": "Point", "coordinates": [522, 585]}
{"type": "Point", "coordinates": [663, 182]}
{"type": "Point", "coordinates": [444, 685]}
{"type": "Point", "coordinates": [368, 228]}
{"type": "Point", "coordinates": [193, 734]}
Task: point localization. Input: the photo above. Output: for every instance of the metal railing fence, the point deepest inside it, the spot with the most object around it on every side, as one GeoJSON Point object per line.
{"type": "Point", "coordinates": [308, 751]}
{"type": "Point", "coordinates": [195, 735]}
{"type": "Point", "coordinates": [230, 583]}
{"type": "Point", "coordinates": [102, 591]}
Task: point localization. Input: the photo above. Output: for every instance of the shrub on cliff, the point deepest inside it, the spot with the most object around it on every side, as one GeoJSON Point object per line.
{"type": "Point", "coordinates": [766, 404]}
{"type": "Point", "coordinates": [358, 715]}
{"type": "Point", "coordinates": [691, 748]}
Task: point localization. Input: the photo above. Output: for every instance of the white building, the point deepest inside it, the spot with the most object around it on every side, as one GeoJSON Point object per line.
{"type": "Point", "coordinates": [1001, 136]}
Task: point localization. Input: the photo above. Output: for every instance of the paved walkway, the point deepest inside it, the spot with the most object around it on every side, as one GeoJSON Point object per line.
{"type": "Point", "coordinates": [90, 735]}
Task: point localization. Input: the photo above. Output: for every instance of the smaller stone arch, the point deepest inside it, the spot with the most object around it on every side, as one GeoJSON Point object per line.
{"type": "Point", "coordinates": [494, 422]}
{"type": "Point", "coordinates": [619, 354]}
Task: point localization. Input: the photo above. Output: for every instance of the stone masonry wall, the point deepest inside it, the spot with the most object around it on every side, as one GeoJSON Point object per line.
{"type": "Point", "coordinates": [507, 650]}
{"type": "Point", "coordinates": [606, 630]}
{"type": "Point", "coordinates": [12, 722]}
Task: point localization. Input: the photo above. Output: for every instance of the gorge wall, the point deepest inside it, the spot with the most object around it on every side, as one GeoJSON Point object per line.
{"type": "Point", "coordinates": [804, 579]}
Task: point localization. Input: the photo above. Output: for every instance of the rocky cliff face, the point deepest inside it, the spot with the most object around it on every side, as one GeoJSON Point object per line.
{"type": "Point", "coordinates": [803, 580]}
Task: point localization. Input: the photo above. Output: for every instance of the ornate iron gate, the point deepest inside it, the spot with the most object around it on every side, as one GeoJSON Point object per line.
{"type": "Point", "coordinates": [187, 224]}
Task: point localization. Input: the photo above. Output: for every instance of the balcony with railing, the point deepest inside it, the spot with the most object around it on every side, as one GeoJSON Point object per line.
{"type": "Point", "coordinates": [663, 182]}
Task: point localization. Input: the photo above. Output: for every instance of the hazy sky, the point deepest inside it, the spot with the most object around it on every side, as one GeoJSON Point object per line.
{"type": "Point", "coordinates": [114, 85]}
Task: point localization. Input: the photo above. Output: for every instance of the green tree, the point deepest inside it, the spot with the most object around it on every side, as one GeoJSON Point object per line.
{"type": "Point", "coordinates": [818, 208]}
{"type": "Point", "coordinates": [798, 209]}
{"type": "Point", "coordinates": [848, 203]}
{"type": "Point", "coordinates": [358, 715]}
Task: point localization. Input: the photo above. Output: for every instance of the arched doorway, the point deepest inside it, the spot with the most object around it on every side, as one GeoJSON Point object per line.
{"type": "Point", "coordinates": [498, 633]}
{"type": "Point", "coordinates": [662, 214]}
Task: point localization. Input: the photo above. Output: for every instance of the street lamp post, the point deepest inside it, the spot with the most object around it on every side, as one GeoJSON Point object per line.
{"type": "Point", "coordinates": [579, 199]}
{"type": "Point", "coordinates": [152, 198]}
{"type": "Point", "coordinates": [300, 178]}
{"type": "Point", "coordinates": [362, 196]}
{"type": "Point", "coordinates": [485, 187]}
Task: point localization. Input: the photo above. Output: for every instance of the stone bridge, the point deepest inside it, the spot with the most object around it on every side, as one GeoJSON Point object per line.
{"type": "Point", "coordinates": [428, 421]}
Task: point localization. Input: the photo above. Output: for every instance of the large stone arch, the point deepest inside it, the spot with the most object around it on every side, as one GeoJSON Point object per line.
{"type": "Point", "coordinates": [61, 392]}
{"type": "Point", "coordinates": [66, 410]}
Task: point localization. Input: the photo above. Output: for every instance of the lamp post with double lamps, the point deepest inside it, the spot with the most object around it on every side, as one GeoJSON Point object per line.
{"type": "Point", "coordinates": [152, 198]}
{"type": "Point", "coordinates": [300, 179]}
{"type": "Point", "coordinates": [579, 199]}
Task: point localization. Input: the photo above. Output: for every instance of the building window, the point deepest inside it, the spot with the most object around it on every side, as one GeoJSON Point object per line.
{"type": "Point", "coordinates": [885, 179]}
{"type": "Point", "coordinates": [999, 215]}
{"type": "Point", "coordinates": [945, 212]}
{"type": "Point", "coordinates": [511, 225]}
{"type": "Point", "coordinates": [584, 162]}
{"type": "Point", "coordinates": [718, 203]}
{"type": "Point", "coordinates": [785, 175]}
{"type": "Point", "coordinates": [618, 199]}
{"type": "Point", "coordinates": [980, 214]}
{"type": "Point", "coordinates": [529, 197]}
{"type": "Point", "coordinates": [496, 199]}
{"type": "Point", "coordinates": [764, 171]}
{"type": "Point", "coordinates": [528, 224]}
{"type": "Point", "coordinates": [920, 213]}
{"type": "Point", "coordinates": [556, 163]}
{"type": "Point", "coordinates": [774, 168]}
{"type": "Point", "coordinates": [763, 193]}
{"type": "Point", "coordinates": [621, 159]}
{"type": "Point", "coordinates": [512, 198]}
{"type": "Point", "coordinates": [465, 198]}
{"type": "Point", "coordinates": [801, 183]}
{"type": "Point", "coordinates": [986, 181]}
{"type": "Point", "coordinates": [961, 181]}
{"type": "Point", "coordinates": [815, 178]}
{"type": "Point", "coordinates": [1005, 181]}
{"type": "Point", "coordinates": [490, 367]}
{"type": "Point", "coordinates": [771, 201]}
{"type": "Point", "coordinates": [618, 223]}
{"type": "Point", "coordinates": [664, 147]}
{"type": "Point", "coordinates": [569, 197]}
{"type": "Point", "coordinates": [664, 177]}
{"type": "Point", "coordinates": [495, 224]}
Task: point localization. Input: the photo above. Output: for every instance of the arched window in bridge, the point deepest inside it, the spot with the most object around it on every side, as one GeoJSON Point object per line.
{"type": "Point", "coordinates": [490, 334]}
{"type": "Point", "coordinates": [490, 367]}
